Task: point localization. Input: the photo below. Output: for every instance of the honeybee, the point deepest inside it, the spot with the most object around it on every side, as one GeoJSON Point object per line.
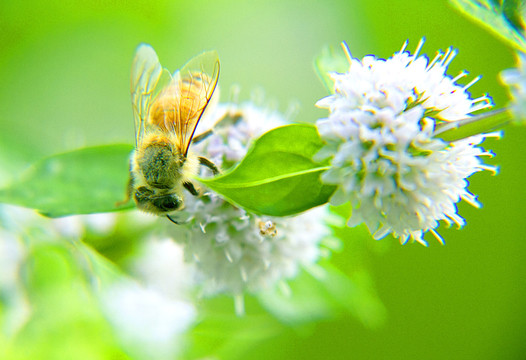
{"type": "Point", "coordinates": [167, 108]}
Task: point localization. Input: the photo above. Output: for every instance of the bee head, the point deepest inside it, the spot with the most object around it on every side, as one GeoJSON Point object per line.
{"type": "Point", "coordinates": [150, 201]}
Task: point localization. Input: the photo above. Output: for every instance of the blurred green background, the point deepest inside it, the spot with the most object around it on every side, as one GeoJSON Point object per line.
{"type": "Point", "coordinates": [65, 66]}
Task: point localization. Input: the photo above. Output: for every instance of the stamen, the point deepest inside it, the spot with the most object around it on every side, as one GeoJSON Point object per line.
{"type": "Point", "coordinates": [437, 236]}
{"type": "Point", "coordinates": [471, 200]}
{"type": "Point", "coordinates": [445, 56]}
{"type": "Point", "coordinates": [472, 82]}
{"type": "Point", "coordinates": [418, 48]}
{"type": "Point", "coordinates": [436, 58]}
{"type": "Point", "coordinates": [347, 52]}
{"type": "Point", "coordinates": [481, 105]}
{"type": "Point", "coordinates": [418, 237]}
{"type": "Point", "coordinates": [459, 221]}
{"type": "Point", "coordinates": [382, 232]}
{"type": "Point", "coordinates": [484, 98]}
{"type": "Point", "coordinates": [228, 256]}
{"type": "Point", "coordinates": [462, 74]}
{"type": "Point", "coordinates": [493, 169]}
{"type": "Point", "coordinates": [487, 153]}
{"type": "Point", "coordinates": [495, 134]}
{"type": "Point", "coordinates": [404, 45]}
{"type": "Point", "coordinates": [404, 239]}
{"type": "Point", "coordinates": [243, 273]}
{"type": "Point", "coordinates": [450, 55]}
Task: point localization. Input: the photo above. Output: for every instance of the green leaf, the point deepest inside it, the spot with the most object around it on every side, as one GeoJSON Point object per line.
{"type": "Point", "coordinates": [329, 61]}
{"type": "Point", "coordinates": [83, 181]}
{"type": "Point", "coordinates": [229, 337]}
{"type": "Point", "coordinates": [504, 20]}
{"type": "Point", "coordinates": [277, 176]}
{"type": "Point", "coordinates": [65, 314]}
{"type": "Point", "coordinates": [356, 294]}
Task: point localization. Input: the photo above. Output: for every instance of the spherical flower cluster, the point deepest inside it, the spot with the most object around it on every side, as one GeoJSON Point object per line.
{"type": "Point", "coordinates": [515, 78]}
{"type": "Point", "coordinates": [234, 251]}
{"type": "Point", "coordinates": [385, 158]}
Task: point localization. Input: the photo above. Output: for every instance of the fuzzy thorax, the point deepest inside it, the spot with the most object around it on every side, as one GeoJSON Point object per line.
{"type": "Point", "coordinates": [159, 169]}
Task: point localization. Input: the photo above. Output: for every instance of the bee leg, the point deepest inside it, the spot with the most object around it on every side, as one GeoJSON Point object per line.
{"type": "Point", "coordinates": [172, 220]}
{"type": "Point", "coordinates": [232, 118]}
{"type": "Point", "coordinates": [129, 191]}
{"type": "Point", "coordinates": [197, 139]}
{"type": "Point", "coordinates": [191, 188]}
{"type": "Point", "coordinates": [204, 161]}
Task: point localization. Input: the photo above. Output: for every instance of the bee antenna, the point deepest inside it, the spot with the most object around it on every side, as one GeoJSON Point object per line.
{"type": "Point", "coordinates": [172, 220]}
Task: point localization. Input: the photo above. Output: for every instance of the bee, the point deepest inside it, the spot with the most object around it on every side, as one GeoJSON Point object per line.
{"type": "Point", "coordinates": [166, 109]}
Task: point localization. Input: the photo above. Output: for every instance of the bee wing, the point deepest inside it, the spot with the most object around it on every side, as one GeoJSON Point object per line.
{"type": "Point", "coordinates": [147, 80]}
{"type": "Point", "coordinates": [212, 115]}
{"type": "Point", "coordinates": [196, 82]}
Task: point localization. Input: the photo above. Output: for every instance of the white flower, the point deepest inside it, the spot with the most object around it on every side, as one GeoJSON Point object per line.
{"type": "Point", "coordinates": [160, 266]}
{"type": "Point", "coordinates": [516, 80]}
{"type": "Point", "coordinates": [234, 251]}
{"type": "Point", "coordinates": [385, 158]}
{"type": "Point", "coordinates": [148, 322]}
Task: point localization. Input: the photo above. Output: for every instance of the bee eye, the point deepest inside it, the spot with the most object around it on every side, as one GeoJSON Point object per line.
{"type": "Point", "coordinates": [168, 202]}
